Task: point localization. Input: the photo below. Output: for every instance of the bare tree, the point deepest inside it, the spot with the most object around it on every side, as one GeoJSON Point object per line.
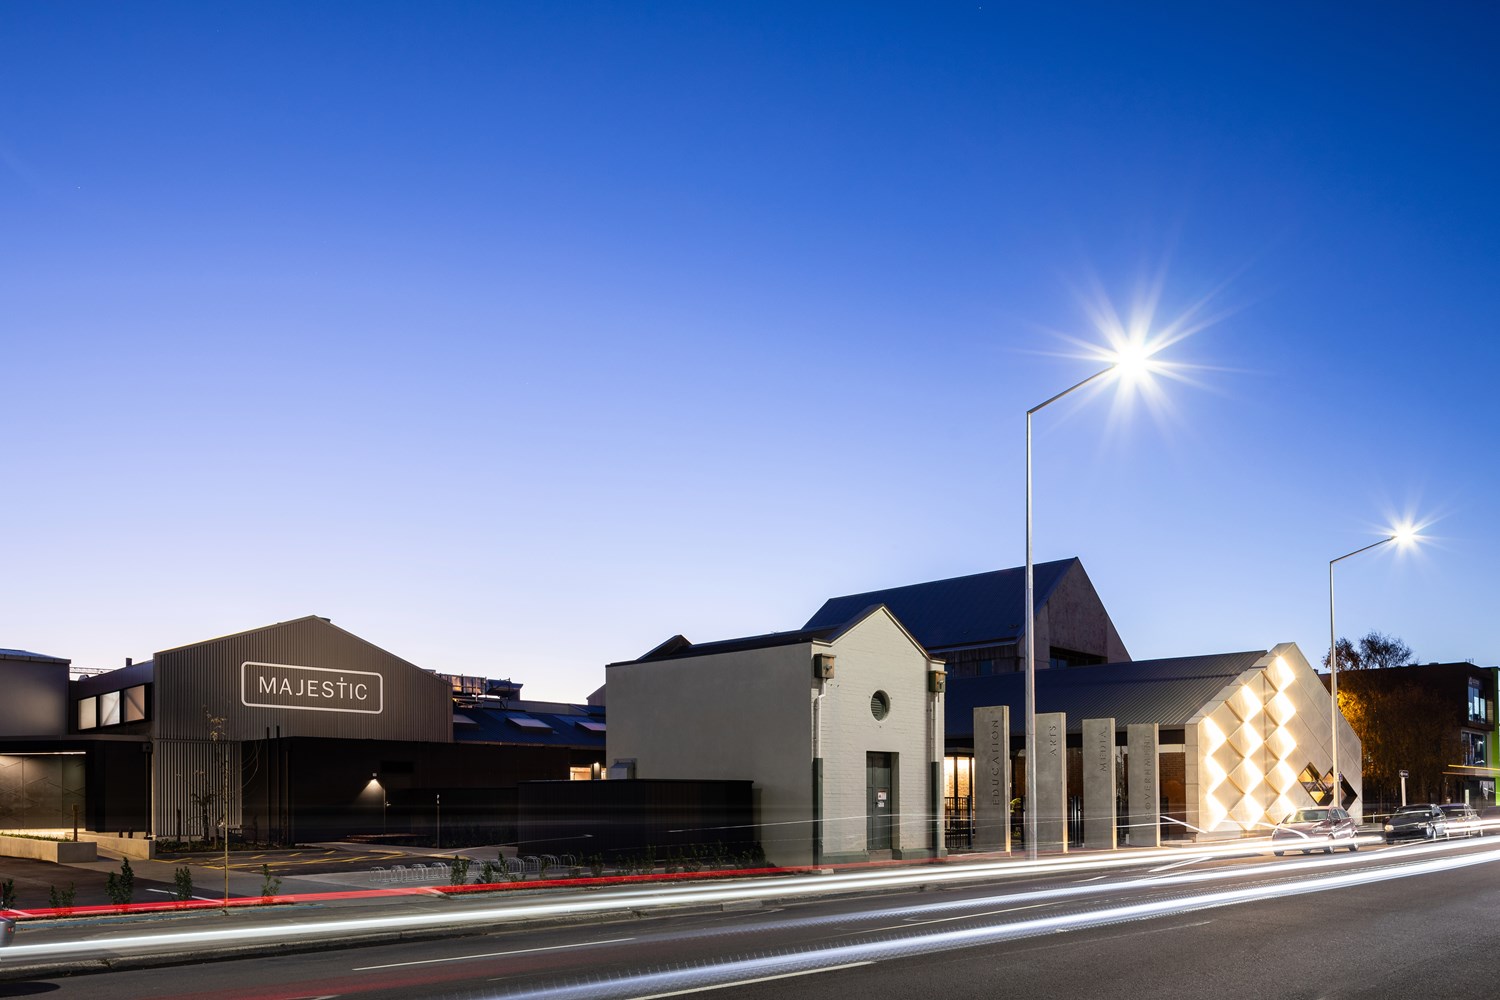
{"type": "Point", "coordinates": [1375, 651]}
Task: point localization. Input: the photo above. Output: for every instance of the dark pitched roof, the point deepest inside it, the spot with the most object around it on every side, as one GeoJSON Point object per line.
{"type": "Point", "coordinates": [21, 654]}
{"type": "Point", "coordinates": [581, 726]}
{"type": "Point", "coordinates": [1168, 692]}
{"type": "Point", "coordinates": [963, 611]}
{"type": "Point", "coordinates": [678, 646]}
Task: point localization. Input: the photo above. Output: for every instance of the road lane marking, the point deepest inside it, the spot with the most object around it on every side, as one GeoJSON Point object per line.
{"type": "Point", "coordinates": [1096, 878]}
{"type": "Point", "coordinates": [945, 920]}
{"type": "Point", "coordinates": [1175, 864]}
{"type": "Point", "coordinates": [493, 954]}
{"type": "Point", "coordinates": [750, 982]}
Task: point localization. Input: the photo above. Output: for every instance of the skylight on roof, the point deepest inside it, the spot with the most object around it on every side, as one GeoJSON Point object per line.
{"type": "Point", "coordinates": [527, 722]}
{"type": "Point", "coordinates": [593, 727]}
{"type": "Point", "coordinates": [463, 720]}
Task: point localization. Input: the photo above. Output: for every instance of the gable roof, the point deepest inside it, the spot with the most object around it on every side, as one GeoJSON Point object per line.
{"type": "Point", "coordinates": [312, 621]}
{"type": "Point", "coordinates": [1168, 692]}
{"type": "Point", "coordinates": [678, 647]}
{"type": "Point", "coordinates": [963, 611]}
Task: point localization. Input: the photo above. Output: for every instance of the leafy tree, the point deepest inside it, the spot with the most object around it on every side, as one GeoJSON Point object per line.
{"type": "Point", "coordinates": [182, 879]}
{"type": "Point", "coordinates": [1401, 723]}
{"type": "Point", "coordinates": [61, 899]}
{"type": "Point", "coordinates": [270, 884]}
{"type": "Point", "coordinates": [120, 888]}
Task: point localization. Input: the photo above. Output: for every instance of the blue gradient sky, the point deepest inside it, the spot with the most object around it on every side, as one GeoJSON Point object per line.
{"type": "Point", "coordinates": [518, 337]}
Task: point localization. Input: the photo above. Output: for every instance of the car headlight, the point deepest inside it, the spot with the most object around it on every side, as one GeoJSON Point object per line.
{"type": "Point", "coordinates": [1389, 828]}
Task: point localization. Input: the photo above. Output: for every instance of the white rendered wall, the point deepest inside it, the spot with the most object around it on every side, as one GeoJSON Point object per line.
{"type": "Point", "coordinates": [751, 715]}
{"type": "Point", "coordinates": [734, 716]}
{"type": "Point", "coordinates": [878, 655]}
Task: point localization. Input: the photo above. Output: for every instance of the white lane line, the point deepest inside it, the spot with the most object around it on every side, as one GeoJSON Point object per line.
{"type": "Point", "coordinates": [949, 920]}
{"type": "Point", "coordinates": [1176, 864]}
{"type": "Point", "coordinates": [1080, 881]}
{"type": "Point", "coordinates": [749, 982]}
{"type": "Point", "coordinates": [493, 954]}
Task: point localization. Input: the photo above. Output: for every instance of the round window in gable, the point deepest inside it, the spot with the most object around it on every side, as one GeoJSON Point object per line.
{"type": "Point", "coordinates": [880, 705]}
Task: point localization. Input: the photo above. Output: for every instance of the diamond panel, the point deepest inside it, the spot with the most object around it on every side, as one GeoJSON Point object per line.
{"type": "Point", "coordinates": [1246, 740]}
{"type": "Point", "coordinates": [1280, 709]}
{"type": "Point", "coordinates": [1246, 777]}
{"type": "Point", "coordinates": [1281, 744]}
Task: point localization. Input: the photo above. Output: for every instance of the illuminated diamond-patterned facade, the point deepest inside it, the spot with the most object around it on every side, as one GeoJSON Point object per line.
{"type": "Point", "coordinates": [1262, 749]}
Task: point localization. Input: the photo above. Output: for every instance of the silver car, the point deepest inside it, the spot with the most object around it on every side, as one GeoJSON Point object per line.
{"type": "Point", "coordinates": [1463, 821]}
{"type": "Point", "coordinates": [1315, 829]}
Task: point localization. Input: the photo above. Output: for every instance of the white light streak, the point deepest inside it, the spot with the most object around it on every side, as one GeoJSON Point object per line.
{"type": "Point", "coordinates": [759, 969]}
{"type": "Point", "coordinates": [493, 954]}
{"type": "Point", "coordinates": [748, 982]}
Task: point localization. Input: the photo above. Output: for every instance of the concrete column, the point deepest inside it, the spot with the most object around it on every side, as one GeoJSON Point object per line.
{"type": "Point", "coordinates": [1143, 797]}
{"type": "Point", "coordinates": [1099, 786]}
{"type": "Point", "coordinates": [992, 778]}
{"type": "Point", "coordinates": [1051, 796]}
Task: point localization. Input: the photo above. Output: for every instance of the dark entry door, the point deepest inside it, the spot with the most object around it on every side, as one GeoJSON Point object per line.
{"type": "Point", "coordinates": [880, 799]}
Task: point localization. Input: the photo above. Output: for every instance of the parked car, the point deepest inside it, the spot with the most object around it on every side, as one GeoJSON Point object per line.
{"type": "Point", "coordinates": [1462, 819]}
{"type": "Point", "coordinates": [1318, 829]}
{"type": "Point", "coordinates": [1425, 820]}
{"type": "Point", "coordinates": [1489, 819]}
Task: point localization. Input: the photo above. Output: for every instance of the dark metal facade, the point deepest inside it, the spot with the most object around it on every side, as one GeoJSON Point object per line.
{"type": "Point", "coordinates": [206, 702]}
{"type": "Point", "coordinates": [200, 683]}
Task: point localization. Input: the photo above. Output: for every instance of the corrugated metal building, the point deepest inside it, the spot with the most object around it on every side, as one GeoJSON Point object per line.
{"type": "Point", "coordinates": [294, 731]}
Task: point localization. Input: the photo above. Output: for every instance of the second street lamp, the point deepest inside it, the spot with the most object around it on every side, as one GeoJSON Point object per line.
{"type": "Point", "coordinates": [1401, 536]}
{"type": "Point", "coordinates": [1130, 362]}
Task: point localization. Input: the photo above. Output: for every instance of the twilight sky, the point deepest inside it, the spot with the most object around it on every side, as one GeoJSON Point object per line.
{"type": "Point", "coordinates": [518, 337]}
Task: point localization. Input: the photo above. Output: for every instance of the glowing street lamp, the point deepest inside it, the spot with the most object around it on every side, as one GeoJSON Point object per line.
{"type": "Point", "coordinates": [1131, 361]}
{"type": "Point", "coordinates": [1402, 536]}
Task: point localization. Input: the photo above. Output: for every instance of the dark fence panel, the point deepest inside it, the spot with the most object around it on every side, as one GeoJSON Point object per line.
{"type": "Point", "coordinates": [613, 819]}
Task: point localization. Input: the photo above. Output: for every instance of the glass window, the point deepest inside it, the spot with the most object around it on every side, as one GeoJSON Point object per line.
{"type": "Point", "coordinates": [134, 704]}
{"type": "Point", "coordinates": [109, 709]}
{"type": "Point", "coordinates": [88, 713]}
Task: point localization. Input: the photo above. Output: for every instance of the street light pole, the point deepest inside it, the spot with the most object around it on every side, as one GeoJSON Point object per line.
{"type": "Point", "coordinates": [1333, 665]}
{"type": "Point", "coordinates": [1029, 625]}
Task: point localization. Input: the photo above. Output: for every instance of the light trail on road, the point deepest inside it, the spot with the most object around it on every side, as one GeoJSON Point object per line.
{"type": "Point", "coordinates": [661, 897]}
{"type": "Point", "coordinates": [745, 971]}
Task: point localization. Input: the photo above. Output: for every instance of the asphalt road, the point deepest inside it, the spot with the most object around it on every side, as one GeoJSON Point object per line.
{"type": "Point", "coordinates": [1417, 920]}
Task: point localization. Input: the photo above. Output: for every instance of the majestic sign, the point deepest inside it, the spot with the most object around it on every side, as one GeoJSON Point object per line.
{"type": "Point", "coordinates": [311, 689]}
